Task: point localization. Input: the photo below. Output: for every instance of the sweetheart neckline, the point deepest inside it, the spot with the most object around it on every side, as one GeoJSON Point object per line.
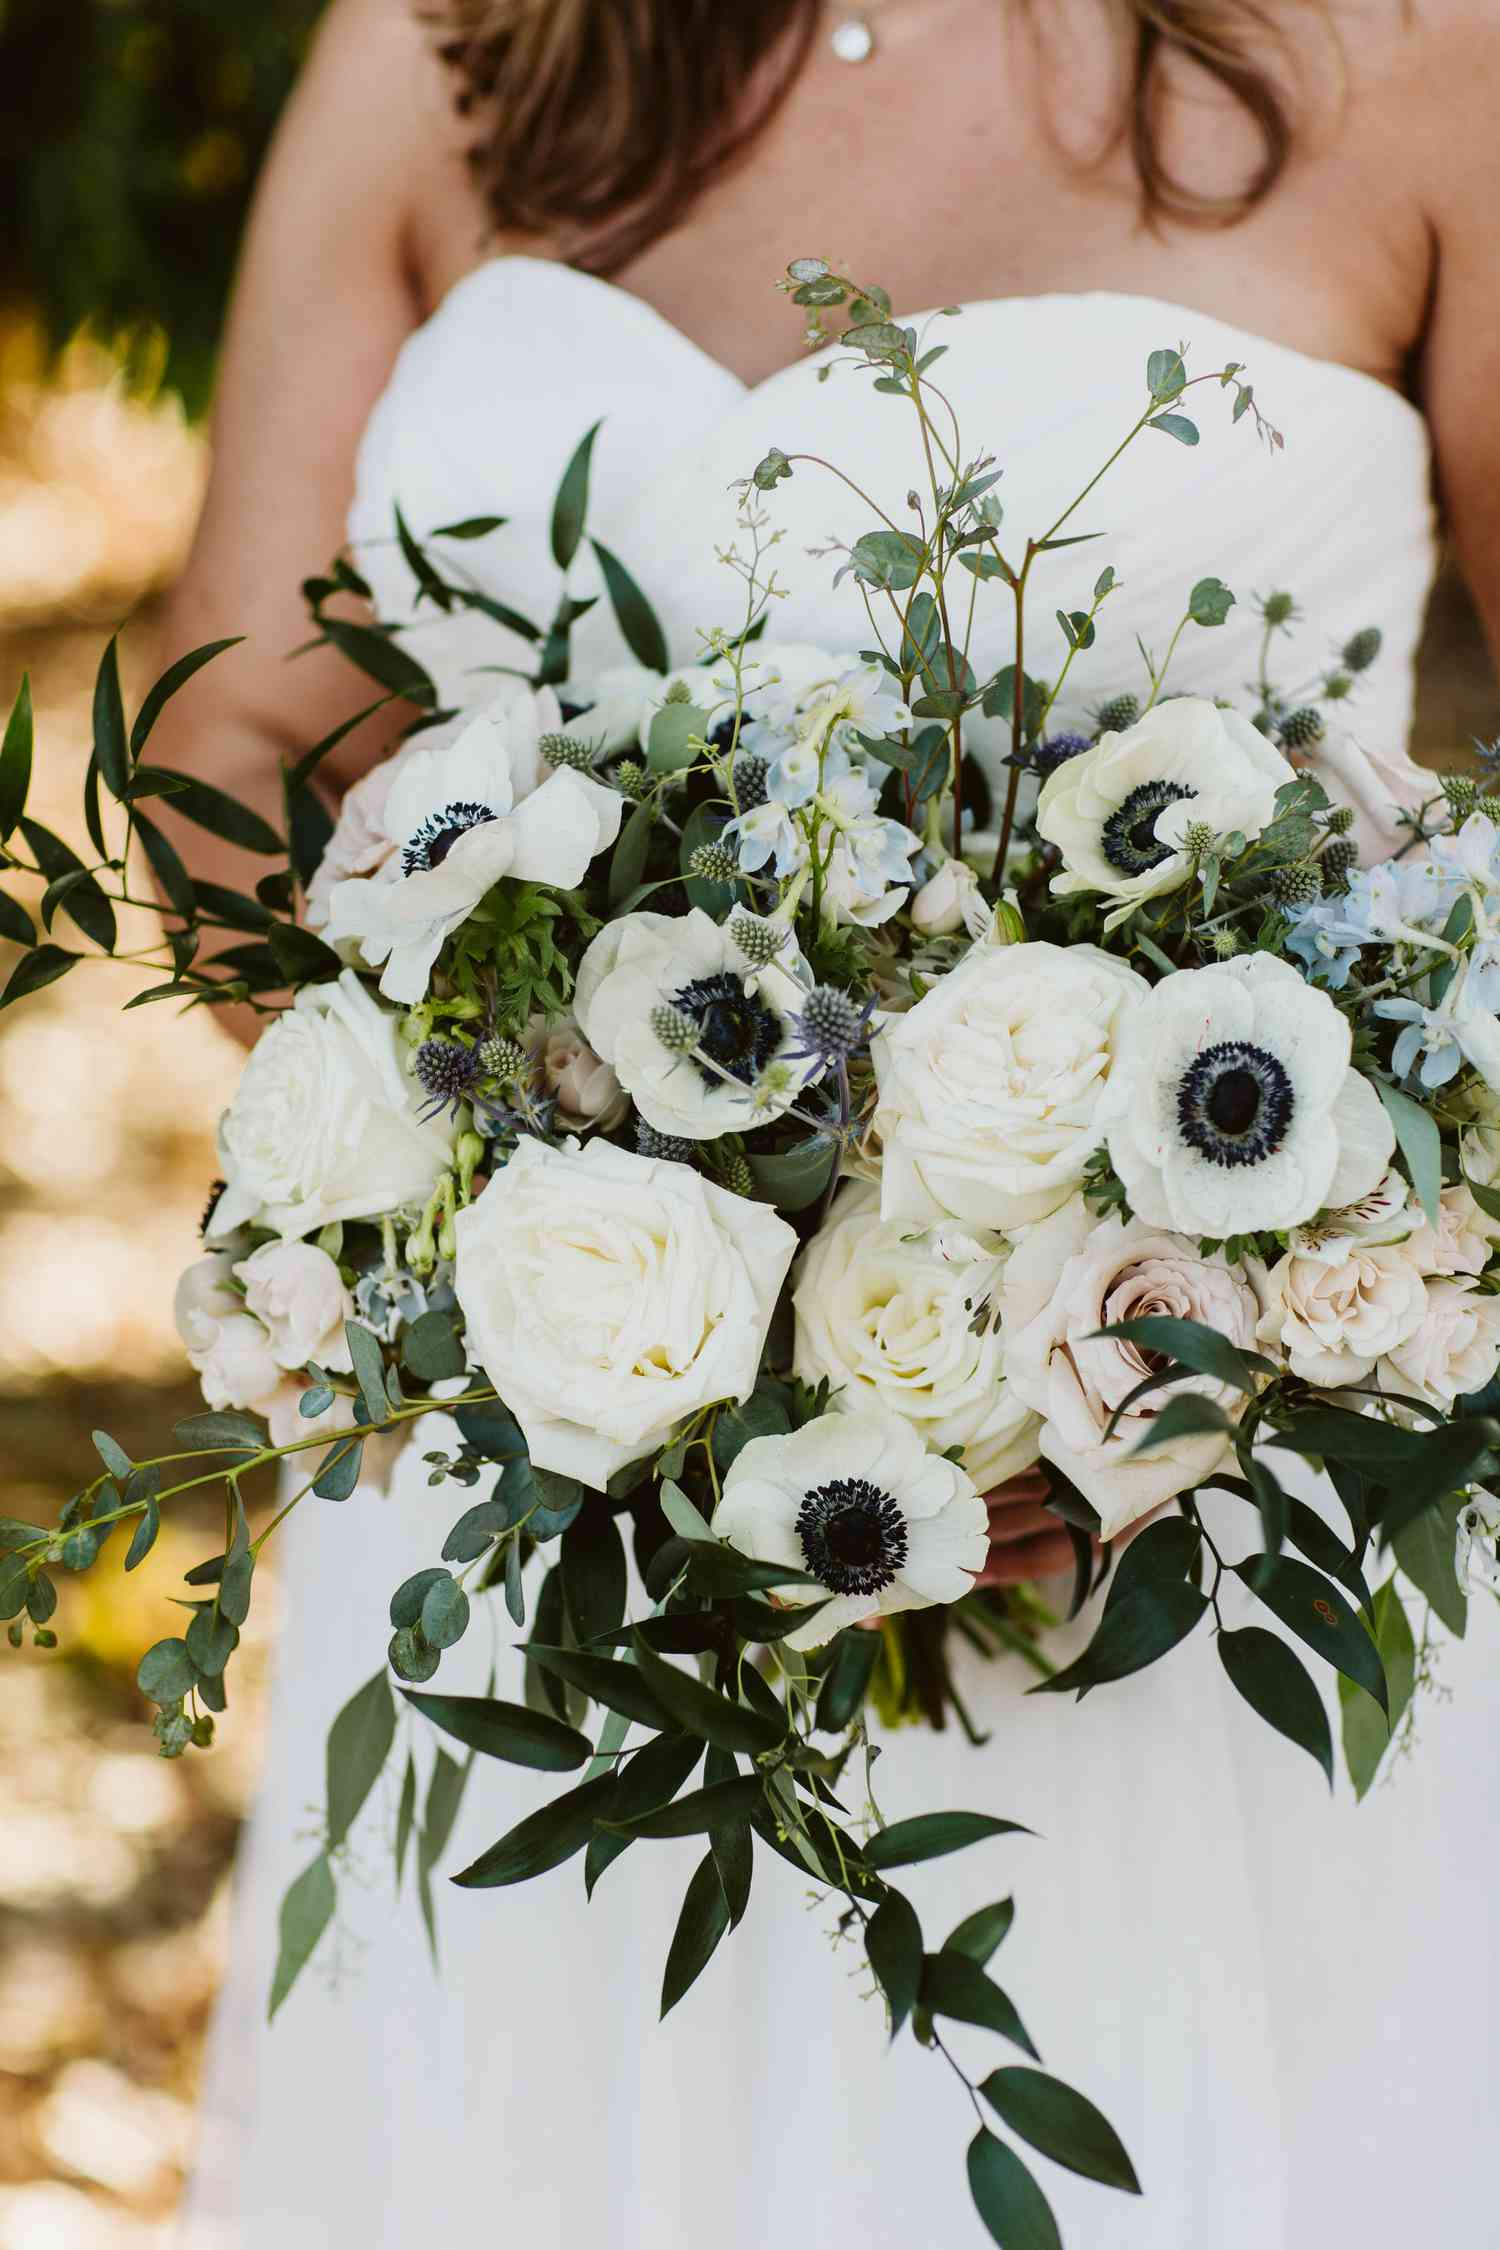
{"type": "Point", "coordinates": [647, 314]}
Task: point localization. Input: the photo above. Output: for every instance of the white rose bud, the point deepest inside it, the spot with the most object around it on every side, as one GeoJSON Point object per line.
{"type": "Point", "coordinates": [587, 1090]}
{"type": "Point", "coordinates": [608, 1295]}
{"type": "Point", "coordinates": [949, 900]}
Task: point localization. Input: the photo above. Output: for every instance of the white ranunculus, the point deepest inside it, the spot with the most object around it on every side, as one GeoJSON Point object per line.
{"type": "Point", "coordinates": [950, 900]}
{"type": "Point", "coordinates": [324, 1124]}
{"type": "Point", "coordinates": [1331, 1320]}
{"type": "Point", "coordinates": [1067, 1279]}
{"type": "Point", "coordinates": [1118, 813]}
{"type": "Point", "coordinates": [1233, 1105]}
{"type": "Point", "coordinates": [1454, 1349]}
{"type": "Point", "coordinates": [296, 1292]}
{"type": "Point", "coordinates": [1463, 1241]}
{"type": "Point", "coordinates": [911, 1322]}
{"type": "Point", "coordinates": [229, 1351]}
{"type": "Point", "coordinates": [588, 1093]}
{"type": "Point", "coordinates": [990, 1088]}
{"type": "Point", "coordinates": [857, 1501]}
{"type": "Point", "coordinates": [465, 816]}
{"type": "Point", "coordinates": [745, 1017]}
{"type": "Point", "coordinates": [607, 1296]}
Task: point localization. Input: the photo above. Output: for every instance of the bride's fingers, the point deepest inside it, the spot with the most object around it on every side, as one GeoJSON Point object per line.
{"type": "Point", "coordinates": [1019, 1519]}
{"type": "Point", "coordinates": [1049, 1554]}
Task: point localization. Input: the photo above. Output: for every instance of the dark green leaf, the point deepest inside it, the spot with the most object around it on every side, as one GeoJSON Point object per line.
{"type": "Point", "coordinates": [176, 676]}
{"type": "Point", "coordinates": [472, 527]}
{"type": "Point", "coordinates": [16, 925]}
{"type": "Point", "coordinates": [444, 1796]}
{"type": "Point", "coordinates": [406, 1813]}
{"type": "Point", "coordinates": [338, 1472]}
{"type": "Point", "coordinates": [176, 883]}
{"type": "Point", "coordinates": [301, 955]}
{"type": "Point", "coordinates": [981, 1935]}
{"type": "Point", "coordinates": [1163, 1552]}
{"type": "Point", "coordinates": [369, 1367]}
{"type": "Point", "coordinates": [1007, 2198]}
{"type": "Point", "coordinates": [629, 862]}
{"type": "Point", "coordinates": [306, 1912]}
{"type": "Point", "coordinates": [720, 1572]}
{"type": "Point", "coordinates": [381, 659]}
{"type": "Point", "coordinates": [1278, 1688]}
{"type": "Point", "coordinates": [1365, 1730]}
{"type": "Point", "coordinates": [636, 618]}
{"type": "Point", "coordinates": [593, 1572]}
{"type": "Point", "coordinates": [504, 1730]}
{"type": "Point", "coordinates": [543, 1840]}
{"type": "Point", "coordinates": [571, 507]}
{"type": "Point", "coordinates": [114, 1457]}
{"type": "Point", "coordinates": [219, 1432]}
{"type": "Point", "coordinates": [1190, 1344]}
{"type": "Point", "coordinates": [1210, 602]}
{"type": "Point", "coordinates": [1184, 1416]}
{"type": "Point", "coordinates": [954, 1985]}
{"type": "Point", "coordinates": [1061, 2124]}
{"type": "Point", "coordinates": [445, 1613]}
{"type": "Point", "coordinates": [1177, 426]}
{"type": "Point", "coordinates": [619, 1687]}
{"type": "Point", "coordinates": [430, 1348]}
{"type": "Point", "coordinates": [722, 1804]}
{"type": "Point", "coordinates": [211, 1641]}
{"type": "Point", "coordinates": [210, 808]}
{"type": "Point", "coordinates": [1165, 375]}
{"type": "Point", "coordinates": [109, 723]}
{"type": "Point", "coordinates": [731, 1726]}
{"type": "Point", "coordinates": [41, 1599]}
{"type": "Point", "coordinates": [1136, 1632]}
{"type": "Point", "coordinates": [893, 1941]}
{"type": "Point", "coordinates": [933, 1835]}
{"type": "Point", "coordinates": [700, 1926]}
{"type": "Point", "coordinates": [475, 1530]}
{"type": "Point", "coordinates": [1320, 1614]}
{"type": "Point", "coordinates": [407, 1600]}
{"type": "Point", "coordinates": [15, 758]}
{"type": "Point", "coordinates": [144, 1538]}
{"type": "Point", "coordinates": [847, 1679]}
{"type": "Point", "coordinates": [359, 1742]}
{"type": "Point", "coordinates": [1426, 1549]}
{"type": "Point", "coordinates": [166, 1672]}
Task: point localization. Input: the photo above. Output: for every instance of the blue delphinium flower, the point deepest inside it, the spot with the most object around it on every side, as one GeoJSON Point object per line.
{"type": "Point", "coordinates": [1319, 936]}
{"type": "Point", "coordinates": [1430, 1037]}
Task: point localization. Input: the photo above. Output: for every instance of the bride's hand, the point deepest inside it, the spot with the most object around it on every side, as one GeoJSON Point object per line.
{"type": "Point", "coordinates": [1026, 1539]}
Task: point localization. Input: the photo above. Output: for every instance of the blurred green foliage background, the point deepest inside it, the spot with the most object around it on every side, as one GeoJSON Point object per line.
{"type": "Point", "coordinates": [131, 132]}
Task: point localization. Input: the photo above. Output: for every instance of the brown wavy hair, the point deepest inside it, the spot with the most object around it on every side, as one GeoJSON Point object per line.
{"type": "Point", "coordinates": [598, 122]}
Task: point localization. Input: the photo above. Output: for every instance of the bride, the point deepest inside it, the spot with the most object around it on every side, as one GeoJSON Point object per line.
{"type": "Point", "coordinates": [480, 233]}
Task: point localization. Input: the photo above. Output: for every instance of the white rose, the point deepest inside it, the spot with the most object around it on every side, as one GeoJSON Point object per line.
{"type": "Point", "coordinates": [324, 1124]}
{"type": "Point", "coordinates": [1332, 1319]}
{"type": "Point", "coordinates": [608, 1296]}
{"type": "Point", "coordinates": [1454, 1350]}
{"type": "Point", "coordinates": [228, 1350]}
{"type": "Point", "coordinates": [990, 1088]}
{"type": "Point", "coordinates": [745, 1018]}
{"type": "Point", "coordinates": [1067, 1279]}
{"type": "Point", "coordinates": [1463, 1241]}
{"type": "Point", "coordinates": [950, 900]}
{"type": "Point", "coordinates": [1118, 813]}
{"type": "Point", "coordinates": [296, 1292]}
{"type": "Point", "coordinates": [911, 1322]}
{"type": "Point", "coordinates": [586, 1089]}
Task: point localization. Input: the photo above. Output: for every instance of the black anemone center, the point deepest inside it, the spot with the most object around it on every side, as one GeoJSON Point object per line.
{"type": "Point", "coordinates": [1235, 1103]}
{"type": "Point", "coordinates": [735, 1027]}
{"type": "Point", "coordinates": [853, 1536]}
{"type": "Point", "coordinates": [1129, 840]}
{"type": "Point", "coordinates": [438, 834]}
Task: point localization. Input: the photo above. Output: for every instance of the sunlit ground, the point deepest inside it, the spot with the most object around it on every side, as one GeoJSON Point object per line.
{"type": "Point", "coordinates": [113, 1864]}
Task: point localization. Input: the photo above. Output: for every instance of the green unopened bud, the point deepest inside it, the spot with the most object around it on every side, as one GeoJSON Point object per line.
{"type": "Point", "coordinates": [715, 863]}
{"type": "Point", "coordinates": [502, 1059]}
{"type": "Point", "coordinates": [1008, 926]}
{"type": "Point", "coordinates": [1337, 686]}
{"type": "Point", "coordinates": [568, 750]}
{"type": "Point", "coordinates": [1302, 728]}
{"type": "Point", "coordinates": [1296, 885]}
{"type": "Point", "coordinates": [631, 777]}
{"type": "Point", "coordinates": [1339, 820]}
{"type": "Point", "coordinates": [1278, 609]}
{"type": "Point", "coordinates": [1360, 652]}
{"type": "Point", "coordinates": [1462, 792]}
{"type": "Point", "coordinates": [676, 1032]}
{"type": "Point", "coordinates": [759, 939]}
{"type": "Point", "coordinates": [678, 692]}
{"type": "Point", "coordinates": [468, 1155]}
{"type": "Point", "coordinates": [736, 1175]}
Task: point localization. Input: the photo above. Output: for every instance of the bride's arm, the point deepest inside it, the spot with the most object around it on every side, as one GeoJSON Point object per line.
{"type": "Point", "coordinates": [328, 289]}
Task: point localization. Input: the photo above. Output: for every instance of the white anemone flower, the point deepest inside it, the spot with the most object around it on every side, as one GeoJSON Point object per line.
{"type": "Point", "coordinates": [742, 1072]}
{"type": "Point", "coordinates": [858, 1502]}
{"type": "Point", "coordinates": [463, 817]}
{"type": "Point", "coordinates": [1233, 1106]}
{"type": "Point", "coordinates": [1119, 813]}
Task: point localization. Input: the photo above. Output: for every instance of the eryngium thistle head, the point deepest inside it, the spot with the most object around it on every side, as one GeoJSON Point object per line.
{"type": "Point", "coordinates": [1337, 686]}
{"type": "Point", "coordinates": [1199, 838]}
{"type": "Point", "coordinates": [748, 781]}
{"type": "Point", "coordinates": [1339, 820]}
{"type": "Point", "coordinates": [567, 750]}
{"type": "Point", "coordinates": [1296, 885]}
{"type": "Point", "coordinates": [1264, 720]}
{"type": "Point", "coordinates": [1278, 609]}
{"type": "Point", "coordinates": [1056, 751]}
{"type": "Point", "coordinates": [446, 1070]}
{"type": "Point", "coordinates": [1340, 856]}
{"type": "Point", "coordinates": [667, 1148]}
{"type": "Point", "coordinates": [1300, 729]}
{"type": "Point", "coordinates": [1462, 792]}
{"type": "Point", "coordinates": [715, 863]}
{"type": "Point", "coordinates": [632, 777]}
{"type": "Point", "coordinates": [677, 1032]}
{"type": "Point", "coordinates": [1226, 944]}
{"type": "Point", "coordinates": [736, 1175]}
{"type": "Point", "coordinates": [1120, 712]}
{"type": "Point", "coordinates": [759, 939]}
{"type": "Point", "coordinates": [1360, 652]}
{"type": "Point", "coordinates": [831, 1025]}
{"type": "Point", "coordinates": [502, 1059]}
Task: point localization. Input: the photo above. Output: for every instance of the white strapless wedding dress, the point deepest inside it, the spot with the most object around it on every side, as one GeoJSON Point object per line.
{"type": "Point", "coordinates": [1287, 2006]}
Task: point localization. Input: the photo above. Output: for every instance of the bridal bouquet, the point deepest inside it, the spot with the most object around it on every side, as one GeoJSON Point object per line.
{"type": "Point", "coordinates": [745, 1145]}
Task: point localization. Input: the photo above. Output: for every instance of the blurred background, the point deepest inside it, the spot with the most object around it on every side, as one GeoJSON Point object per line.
{"type": "Point", "coordinates": [130, 136]}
